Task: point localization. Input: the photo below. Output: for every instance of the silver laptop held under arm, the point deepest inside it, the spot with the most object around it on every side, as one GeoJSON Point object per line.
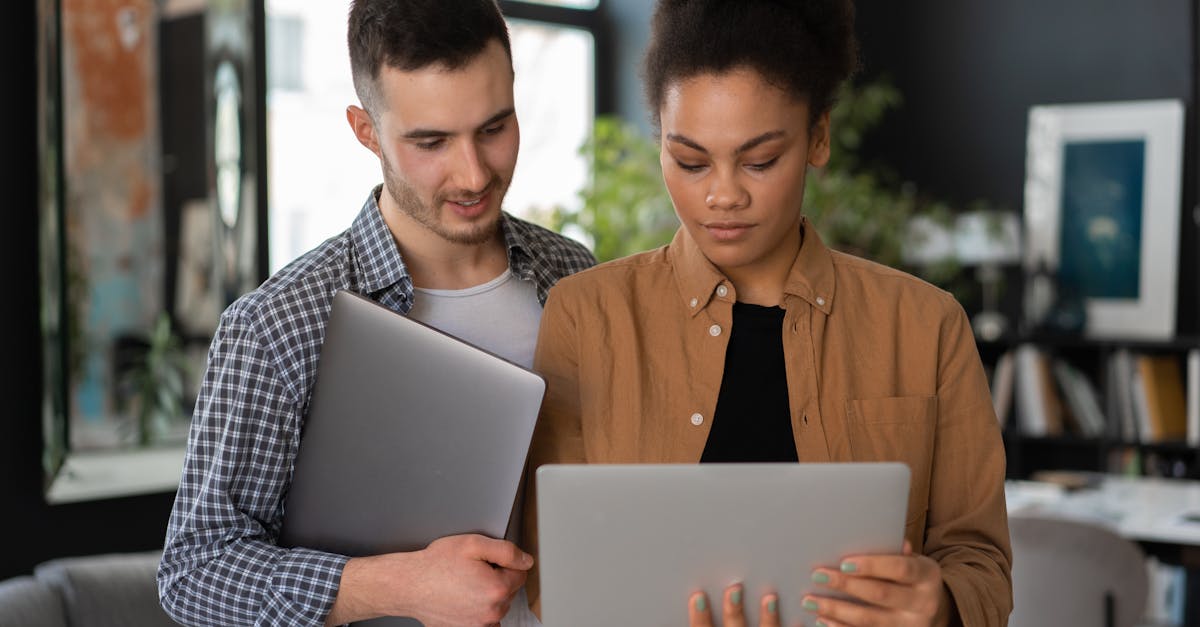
{"type": "Point", "coordinates": [411, 435]}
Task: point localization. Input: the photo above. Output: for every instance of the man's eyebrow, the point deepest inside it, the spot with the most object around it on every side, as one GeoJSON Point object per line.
{"type": "Point", "coordinates": [428, 133]}
{"type": "Point", "coordinates": [747, 145]}
{"type": "Point", "coordinates": [496, 118]}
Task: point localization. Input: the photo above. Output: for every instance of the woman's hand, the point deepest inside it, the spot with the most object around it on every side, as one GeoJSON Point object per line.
{"type": "Point", "coordinates": [901, 590]}
{"type": "Point", "coordinates": [894, 590]}
{"type": "Point", "coordinates": [734, 615]}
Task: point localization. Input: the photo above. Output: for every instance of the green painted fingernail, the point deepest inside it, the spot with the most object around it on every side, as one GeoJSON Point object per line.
{"type": "Point", "coordinates": [820, 624]}
{"type": "Point", "coordinates": [810, 605]}
{"type": "Point", "coordinates": [848, 567]}
{"type": "Point", "coordinates": [773, 606]}
{"type": "Point", "coordinates": [736, 596]}
{"type": "Point", "coordinates": [820, 578]}
{"type": "Point", "coordinates": [701, 603]}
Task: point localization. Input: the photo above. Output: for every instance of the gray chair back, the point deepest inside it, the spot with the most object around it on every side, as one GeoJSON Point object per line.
{"type": "Point", "coordinates": [1074, 573]}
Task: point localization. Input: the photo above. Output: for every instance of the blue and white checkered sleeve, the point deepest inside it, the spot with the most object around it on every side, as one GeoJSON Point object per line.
{"type": "Point", "coordinates": [221, 564]}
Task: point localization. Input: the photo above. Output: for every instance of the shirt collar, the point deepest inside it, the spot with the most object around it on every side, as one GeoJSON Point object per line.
{"type": "Point", "coordinates": [382, 268]}
{"type": "Point", "coordinates": [811, 277]}
{"type": "Point", "coordinates": [520, 252]}
{"type": "Point", "coordinates": [379, 263]}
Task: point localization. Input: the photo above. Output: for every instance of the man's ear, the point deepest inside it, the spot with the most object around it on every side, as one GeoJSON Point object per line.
{"type": "Point", "coordinates": [363, 127]}
{"type": "Point", "coordinates": [818, 142]}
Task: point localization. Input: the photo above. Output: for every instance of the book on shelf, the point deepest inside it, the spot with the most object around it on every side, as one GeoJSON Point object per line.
{"type": "Point", "coordinates": [1002, 387]}
{"type": "Point", "coordinates": [1082, 400]}
{"type": "Point", "coordinates": [1123, 422]}
{"type": "Point", "coordinates": [1039, 408]}
{"type": "Point", "coordinates": [1193, 397]}
{"type": "Point", "coordinates": [1138, 397]}
{"type": "Point", "coordinates": [1158, 389]}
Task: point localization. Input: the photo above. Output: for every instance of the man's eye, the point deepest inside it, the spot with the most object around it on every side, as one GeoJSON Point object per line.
{"type": "Point", "coordinates": [493, 130]}
{"type": "Point", "coordinates": [432, 144]}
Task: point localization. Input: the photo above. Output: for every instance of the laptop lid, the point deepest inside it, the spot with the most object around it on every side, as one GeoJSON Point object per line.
{"type": "Point", "coordinates": [411, 435]}
{"type": "Point", "coordinates": [629, 544]}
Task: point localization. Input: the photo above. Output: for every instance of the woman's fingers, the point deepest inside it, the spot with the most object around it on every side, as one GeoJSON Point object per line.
{"type": "Point", "coordinates": [734, 614]}
{"type": "Point", "coordinates": [699, 611]}
{"type": "Point", "coordinates": [733, 609]}
{"type": "Point", "coordinates": [768, 612]}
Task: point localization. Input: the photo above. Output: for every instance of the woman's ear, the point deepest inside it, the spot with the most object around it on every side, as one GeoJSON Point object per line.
{"type": "Point", "coordinates": [818, 142]}
{"type": "Point", "coordinates": [363, 127]}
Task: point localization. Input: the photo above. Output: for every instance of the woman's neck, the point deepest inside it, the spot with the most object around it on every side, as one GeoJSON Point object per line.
{"type": "Point", "coordinates": [762, 282]}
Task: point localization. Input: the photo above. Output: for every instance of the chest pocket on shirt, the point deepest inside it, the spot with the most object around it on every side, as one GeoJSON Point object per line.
{"type": "Point", "coordinates": [898, 429]}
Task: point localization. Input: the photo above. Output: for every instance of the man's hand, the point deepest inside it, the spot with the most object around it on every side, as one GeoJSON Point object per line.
{"type": "Point", "coordinates": [732, 610]}
{"type": "Point", "coordinates": [466, 580]}
{"type": "Point", "coordinates": [900, 590]}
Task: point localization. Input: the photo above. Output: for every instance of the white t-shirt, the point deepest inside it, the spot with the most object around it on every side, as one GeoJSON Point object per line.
{"type": "Point", "coordinates": [502, 317]}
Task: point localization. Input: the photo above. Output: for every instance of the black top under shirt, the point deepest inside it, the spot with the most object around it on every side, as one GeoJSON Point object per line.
{"type": "Point", "coordinates": [753, 420]}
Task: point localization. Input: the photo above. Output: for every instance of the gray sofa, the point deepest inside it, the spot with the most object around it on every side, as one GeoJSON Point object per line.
{"type": "Point", "coordinates": [97, 591]}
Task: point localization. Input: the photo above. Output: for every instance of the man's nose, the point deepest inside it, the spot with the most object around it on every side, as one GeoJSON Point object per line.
{"type": "Point", "coordinates": [471, 172]}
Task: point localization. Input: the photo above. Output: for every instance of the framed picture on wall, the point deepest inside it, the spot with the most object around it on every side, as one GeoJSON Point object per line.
{"type": "Point", "coordinates": [1102, 210]}
{"type": "Point", "coordinates": [133, 276]}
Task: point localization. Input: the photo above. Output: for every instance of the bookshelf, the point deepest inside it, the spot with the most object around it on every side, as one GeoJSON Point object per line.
{"type": "Point", "coordinates": [1124, 442]}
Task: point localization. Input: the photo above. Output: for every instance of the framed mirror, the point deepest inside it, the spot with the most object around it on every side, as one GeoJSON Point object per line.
{"type": "Point", "coordinates": [151, 221]}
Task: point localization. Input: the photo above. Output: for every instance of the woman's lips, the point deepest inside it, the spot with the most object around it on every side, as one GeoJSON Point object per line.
{"type": "Point", "coordinates": [727, 231]}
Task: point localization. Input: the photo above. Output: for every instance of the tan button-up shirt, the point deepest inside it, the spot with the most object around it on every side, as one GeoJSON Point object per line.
{"type": "Point", "coordinates": [880, 367]}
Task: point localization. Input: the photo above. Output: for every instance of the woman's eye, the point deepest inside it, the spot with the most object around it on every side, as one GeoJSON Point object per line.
{"type": "Point", "coordinates": [687, 167]}
{"type": "Point", "coordinates": [762, 166]}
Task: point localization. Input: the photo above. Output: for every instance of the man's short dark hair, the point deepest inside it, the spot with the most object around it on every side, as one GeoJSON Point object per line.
{"type": "Point", "coordinates": [806, 48]}
{"type": "Point", "coordinates": [412, 34]}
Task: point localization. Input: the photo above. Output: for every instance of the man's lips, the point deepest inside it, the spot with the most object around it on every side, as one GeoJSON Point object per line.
{"type": "Point", "coordinates": [470, 207]}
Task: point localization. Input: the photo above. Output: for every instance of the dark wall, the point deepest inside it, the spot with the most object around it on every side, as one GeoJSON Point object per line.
{"type": "Point", "coordinates": [31, 530]}
{"type": "Point", "coordinates": [969, 72]}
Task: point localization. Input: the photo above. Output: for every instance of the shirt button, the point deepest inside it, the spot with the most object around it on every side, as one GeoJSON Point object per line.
{"type": "Point", "coordinates": [697, 419]}
{"type": "Point", "coordinates": [722, 291]}
{"type": "Point", "coordinates": [820, 301]}
{"type": "Point", "coordinates": [714, 330]}
{"type": "Point", "coordinates": [693, 303]}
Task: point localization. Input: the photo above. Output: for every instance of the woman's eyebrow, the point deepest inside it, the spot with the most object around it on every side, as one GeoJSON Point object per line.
{"type": "Point", "coordinates": [682, 139]}
{"type": "Point", "coordinates": [765, 137]}
{"type": "Point", "coordinates": [747, 145]}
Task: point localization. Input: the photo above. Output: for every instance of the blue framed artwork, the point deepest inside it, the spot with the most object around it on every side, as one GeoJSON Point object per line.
{"type": "Point", "coordinates": [1102, 210]}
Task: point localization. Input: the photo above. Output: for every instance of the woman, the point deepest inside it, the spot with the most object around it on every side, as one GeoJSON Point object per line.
{"type": "Point", "coordinates": [746, 339]}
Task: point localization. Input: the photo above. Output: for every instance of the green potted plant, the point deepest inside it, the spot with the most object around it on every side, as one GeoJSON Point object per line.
{"type": "Point", "coordinates": [155, 384]}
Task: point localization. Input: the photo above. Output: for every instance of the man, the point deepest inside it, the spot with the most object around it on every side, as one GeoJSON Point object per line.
{"type": "Point", "coordinates": [435, 81]}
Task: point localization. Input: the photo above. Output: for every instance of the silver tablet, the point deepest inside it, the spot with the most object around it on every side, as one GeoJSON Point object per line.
{"type": "Point", "coordinates": [629, 544]}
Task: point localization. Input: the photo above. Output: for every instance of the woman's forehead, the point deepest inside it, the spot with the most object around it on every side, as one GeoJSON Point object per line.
{"type": "Point", "coordinates": [738, 104]}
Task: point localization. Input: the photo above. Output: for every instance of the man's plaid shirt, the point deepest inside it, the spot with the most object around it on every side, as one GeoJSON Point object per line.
{"type": "Point", "coordinates": [221, 564]}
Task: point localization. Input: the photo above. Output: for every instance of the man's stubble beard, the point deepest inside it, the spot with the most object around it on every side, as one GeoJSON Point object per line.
{"type": "Point", "coordinates": [430, 216]}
